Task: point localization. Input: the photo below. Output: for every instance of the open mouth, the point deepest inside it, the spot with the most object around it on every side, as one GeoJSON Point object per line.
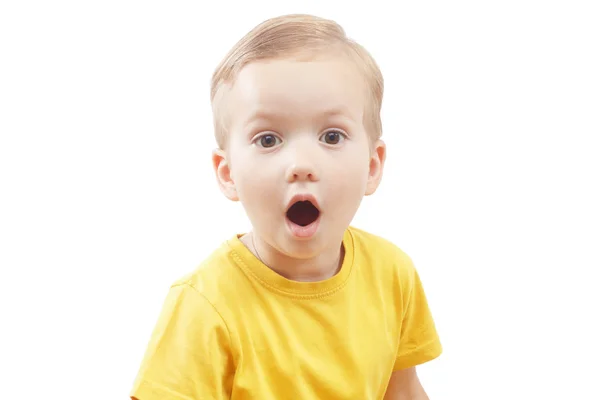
{"type": "Point", "coordinates": [303, 213]}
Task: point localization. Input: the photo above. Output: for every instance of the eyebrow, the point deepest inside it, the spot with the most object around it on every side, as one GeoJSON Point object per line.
{"type": "Point", "coordinates": [267, 115]}
{"type": "Point", "coordinates": [338, 111]}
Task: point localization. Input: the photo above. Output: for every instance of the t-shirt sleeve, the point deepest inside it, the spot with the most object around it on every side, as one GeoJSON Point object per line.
{"type": "Point", "coordinates": [189, 354]}
{"type": "Point", "coordinates": [419, 340]}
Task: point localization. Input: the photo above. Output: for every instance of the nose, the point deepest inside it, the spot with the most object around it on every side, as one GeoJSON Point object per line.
{"type": "Point", "coordinates": [300, 172]}
{"type": "Point", "coordinates": [302, 166]}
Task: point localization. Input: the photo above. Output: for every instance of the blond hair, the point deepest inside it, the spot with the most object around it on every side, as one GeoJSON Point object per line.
{"type": "Point", "coordinates": [287, 36]}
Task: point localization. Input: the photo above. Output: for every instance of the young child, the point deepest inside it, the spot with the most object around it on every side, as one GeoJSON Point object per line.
{"type": "Point", "coordinates": [304, 306]}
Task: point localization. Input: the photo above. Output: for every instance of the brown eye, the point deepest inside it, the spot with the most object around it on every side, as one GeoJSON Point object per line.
{"type": "Point", "coordinates": [332, 137]}
{"type": "Point", "coordinates": [267, 141]}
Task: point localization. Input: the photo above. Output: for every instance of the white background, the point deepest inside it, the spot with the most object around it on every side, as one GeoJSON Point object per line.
{"type": "Point", "coordinates": [492, 186]}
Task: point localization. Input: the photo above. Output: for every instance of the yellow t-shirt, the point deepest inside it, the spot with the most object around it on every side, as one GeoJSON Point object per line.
{"type": "Point", "coordinates": [235, 329]}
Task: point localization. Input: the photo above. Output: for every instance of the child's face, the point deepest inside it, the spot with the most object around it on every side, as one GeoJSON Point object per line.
{"type": "Point", "coordinates": [296, 129]}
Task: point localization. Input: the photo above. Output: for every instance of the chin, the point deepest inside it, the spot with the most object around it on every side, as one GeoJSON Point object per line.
{"type": "Point", "coordinates": [301, 248]}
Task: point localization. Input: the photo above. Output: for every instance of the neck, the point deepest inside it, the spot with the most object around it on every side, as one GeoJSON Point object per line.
{"type": "Point", "coordinates": [313, 269]}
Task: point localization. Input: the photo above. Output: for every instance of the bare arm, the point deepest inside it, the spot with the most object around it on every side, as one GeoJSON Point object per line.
{"type": "Point", "coordinates": [405, 385]}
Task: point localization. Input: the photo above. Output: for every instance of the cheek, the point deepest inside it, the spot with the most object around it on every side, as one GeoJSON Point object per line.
{"type": "Point", "coordinates": [254, 184]}
{"type": "Point", "coordinates": [349, 179]}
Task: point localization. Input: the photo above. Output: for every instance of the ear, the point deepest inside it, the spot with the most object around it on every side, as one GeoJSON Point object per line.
{"type": "Point", "coordinates": [376, 164]}
{"type": "Point", "coordinates": [223, 173]}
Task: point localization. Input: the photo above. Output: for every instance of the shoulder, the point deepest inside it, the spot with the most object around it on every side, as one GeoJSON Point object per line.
{"type": "Point", "coordinates": [213, 278]}
{"type": "Point", "coordinates": [190, 352]}
{"type": "Point", "coordinates": [385, 262]}
{"type": "Point", "coordinates": [379, 250]}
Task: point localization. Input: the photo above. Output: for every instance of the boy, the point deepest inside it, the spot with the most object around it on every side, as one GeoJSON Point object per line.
{"type": "Point", "coordinates": [303, 306]}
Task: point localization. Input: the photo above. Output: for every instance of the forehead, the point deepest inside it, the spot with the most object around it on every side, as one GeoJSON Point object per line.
{"type": "Point", "coordinates": [298, 88]}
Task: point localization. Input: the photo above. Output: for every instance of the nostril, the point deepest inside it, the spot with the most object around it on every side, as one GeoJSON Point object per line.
{"type": "Point", "coordinates": [301, 173]}
{"type": "Point", "coordinates": [303, 176]}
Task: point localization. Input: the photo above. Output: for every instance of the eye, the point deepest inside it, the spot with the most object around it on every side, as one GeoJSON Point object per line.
{"type": "Point", "coordinates": [267, 141]}
{"type": "Point", "coordinates": [333, 137]}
